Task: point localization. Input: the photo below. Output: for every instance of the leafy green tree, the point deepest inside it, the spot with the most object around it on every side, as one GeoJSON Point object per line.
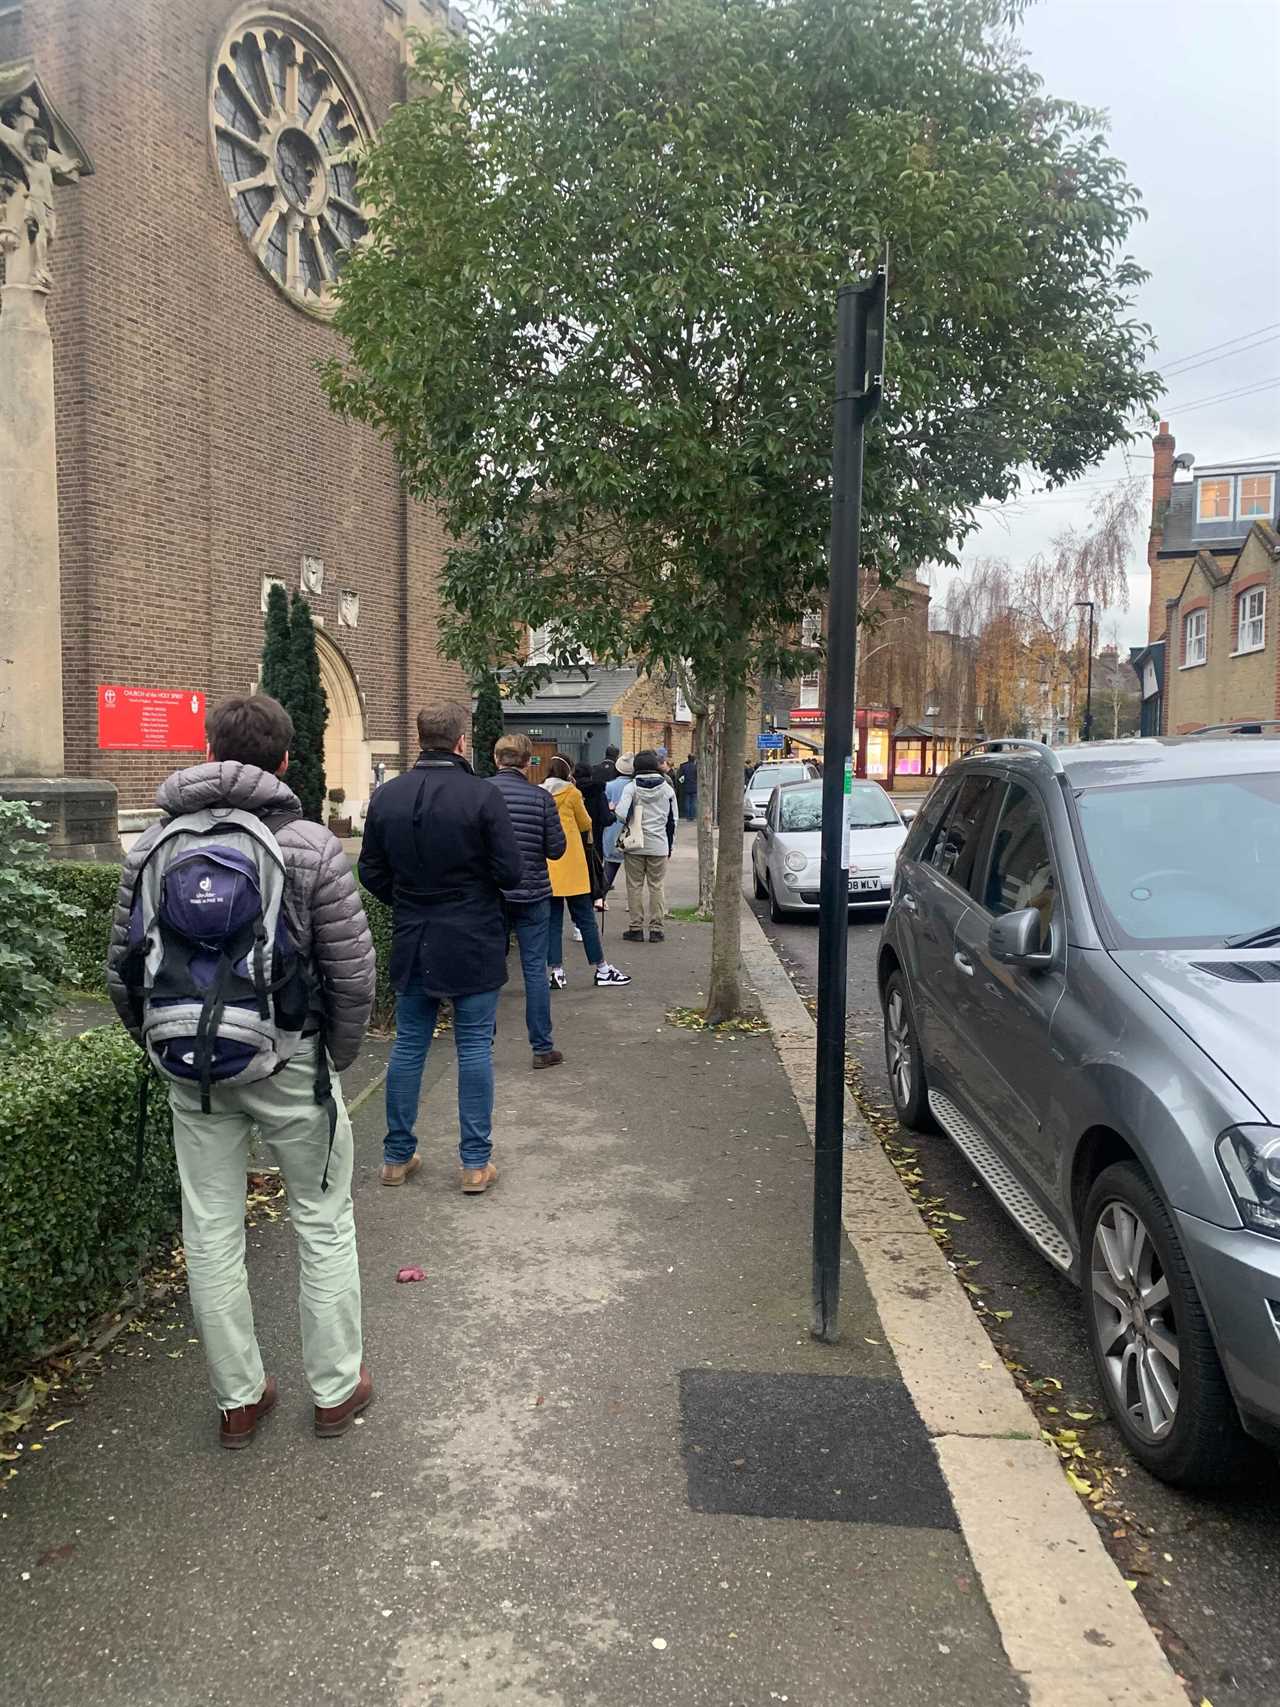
{"type": "Point", "coordinates": [33, 946]}
{"type": "Point", "coordinates": [309, 710]}
{"type": "Point", "coordinates": [596, 317]}
{"type": "Point", "coordinates": [277, 649]}
{"type": "Point", "coordinates": [486, 725]}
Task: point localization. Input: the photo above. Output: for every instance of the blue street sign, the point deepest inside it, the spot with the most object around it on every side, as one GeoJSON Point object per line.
{"type": "Point", "coordinates": [770, 741]}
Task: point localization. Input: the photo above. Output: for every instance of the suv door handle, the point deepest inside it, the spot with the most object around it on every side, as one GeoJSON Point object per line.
{"type": "Point", "coordinates": [964, 963]}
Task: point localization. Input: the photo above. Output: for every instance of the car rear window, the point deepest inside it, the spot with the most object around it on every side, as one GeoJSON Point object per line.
{"type": "Point", "coordinates": [769, 776]}
{"type": "Point", "coordinates": [1185, 863]}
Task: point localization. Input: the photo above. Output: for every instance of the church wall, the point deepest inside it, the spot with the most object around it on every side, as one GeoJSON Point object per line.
{"type": "Point", "coordinates": [196, 452]}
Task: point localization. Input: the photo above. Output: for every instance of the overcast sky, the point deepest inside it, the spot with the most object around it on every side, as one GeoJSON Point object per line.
{"type": "Point", "coordinates": [1191, 87]}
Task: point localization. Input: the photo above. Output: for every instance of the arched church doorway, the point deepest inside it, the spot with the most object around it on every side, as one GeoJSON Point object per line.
{"type": "Point", "coordinates": [346, 751]}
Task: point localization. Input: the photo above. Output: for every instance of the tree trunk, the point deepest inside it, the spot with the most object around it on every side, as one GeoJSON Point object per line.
{"type": "Point", "coordinates": [708, 793]}
{"type": "Point", "coordinates": [724, 999]}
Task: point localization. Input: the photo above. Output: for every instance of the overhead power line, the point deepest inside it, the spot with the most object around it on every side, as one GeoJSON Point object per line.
{"type": "Point", "coordinates": [1223, 396]}
{"type": "Point", "coordinates": [1211, 361]}
{"type": "Point", "coordinates": [1210, 348]}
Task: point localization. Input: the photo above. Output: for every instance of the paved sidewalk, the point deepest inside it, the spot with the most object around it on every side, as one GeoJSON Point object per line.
{"type": "Point", "coordinates": [607, 1465]}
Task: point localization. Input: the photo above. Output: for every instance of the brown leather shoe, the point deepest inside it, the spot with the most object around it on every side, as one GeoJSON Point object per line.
{"type": "Point", "coordinates": [239, 1426]}
{"type": "Point", "coordinates": [396, 1173]}
{"type": "Point", "coordinates": [476, 1181]}
{"type": "Point", "coordinates": [333, 1420]}
{"type": "Point", "coordinates": [552, 1058]}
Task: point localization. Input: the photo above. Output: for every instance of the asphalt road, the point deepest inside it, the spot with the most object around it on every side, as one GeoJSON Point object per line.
{"type": "Point", "coordinates": [1213, 1588]}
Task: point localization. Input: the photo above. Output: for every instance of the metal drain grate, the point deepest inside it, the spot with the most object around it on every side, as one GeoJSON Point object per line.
{"type": "Point", "coordinates": [1000, 1179]}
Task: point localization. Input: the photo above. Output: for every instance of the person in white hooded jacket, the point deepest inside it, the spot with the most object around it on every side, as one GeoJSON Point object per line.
{"type": "Point", "coordinates": [646, 810]}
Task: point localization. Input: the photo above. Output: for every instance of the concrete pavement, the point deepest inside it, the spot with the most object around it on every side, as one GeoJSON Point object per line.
{"type": "Point", "coordinates": [607, 1464]}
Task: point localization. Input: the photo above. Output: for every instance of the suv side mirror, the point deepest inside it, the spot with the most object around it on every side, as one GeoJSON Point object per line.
{"type": "Point", "coordinates": [1015, 940]}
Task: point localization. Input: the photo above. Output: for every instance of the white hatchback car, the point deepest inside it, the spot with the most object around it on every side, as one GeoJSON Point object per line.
{"type": "Point", "coordinates": [786, 857]}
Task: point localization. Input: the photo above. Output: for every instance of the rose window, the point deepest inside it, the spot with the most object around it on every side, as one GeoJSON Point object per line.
{"type": "Point", "coordinates": [288, 130]}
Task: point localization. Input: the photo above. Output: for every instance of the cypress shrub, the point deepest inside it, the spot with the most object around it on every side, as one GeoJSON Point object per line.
{"type": "Point", "coordinates": [486, 725]}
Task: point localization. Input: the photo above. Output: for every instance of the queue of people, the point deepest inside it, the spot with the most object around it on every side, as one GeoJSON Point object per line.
{"type": "Point", "coordinates": [242, 962]}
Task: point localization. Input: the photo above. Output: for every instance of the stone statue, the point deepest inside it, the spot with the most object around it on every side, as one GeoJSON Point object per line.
{"type": "Point", "coordinates": [29, 232]}
{"type": "Point", "coordinates": [38, 149]}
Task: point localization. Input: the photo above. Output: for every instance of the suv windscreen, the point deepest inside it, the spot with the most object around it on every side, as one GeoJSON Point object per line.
{"type": "Point", "coordinates": [769, 776]}
{"type": "Point", "coordinates": [1185, 864]}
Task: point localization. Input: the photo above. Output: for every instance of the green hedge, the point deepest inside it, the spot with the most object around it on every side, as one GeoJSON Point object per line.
{"type": "Point", "coordinates": [75, 1227]}
{"type": "Point", "coordinates": [93, 887]}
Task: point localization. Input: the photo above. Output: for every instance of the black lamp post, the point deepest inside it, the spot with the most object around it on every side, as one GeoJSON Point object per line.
{"type": "Point", "coordinates": [1086, 729]}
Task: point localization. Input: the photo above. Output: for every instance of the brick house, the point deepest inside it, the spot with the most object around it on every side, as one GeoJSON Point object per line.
{"type": "Point", "coordinates": [197, 458]}
{"type": "Point", "coordinates": [892, 681]}
{"type": "Point", "coordinates": [1212, 652]}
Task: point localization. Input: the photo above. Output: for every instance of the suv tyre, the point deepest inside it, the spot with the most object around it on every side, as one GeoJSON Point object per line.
{"type": "Point", "coordinates": [1160, 1375]}
{"type": "Point", "coordinates": [907, 1083]}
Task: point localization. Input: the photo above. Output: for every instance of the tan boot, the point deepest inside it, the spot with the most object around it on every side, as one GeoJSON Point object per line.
{"type": "Point", "coordinates": [396, 1173]}
{"type": "Point", "coordinates": [476, 1181]}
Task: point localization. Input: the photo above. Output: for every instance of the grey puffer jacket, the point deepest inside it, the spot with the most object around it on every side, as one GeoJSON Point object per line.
{"type": "Point", "coordinates": [324, 903]}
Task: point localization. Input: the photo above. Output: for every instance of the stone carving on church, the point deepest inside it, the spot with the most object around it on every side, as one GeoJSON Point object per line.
{"type": "Point", "coordinates": [312, 579]}
{"type": "Point", "coordinates": [37, 150]}
{"type": "Point", "coordinates": [348, 610]}
{"type": "Point", "coordinates": [287, 131]}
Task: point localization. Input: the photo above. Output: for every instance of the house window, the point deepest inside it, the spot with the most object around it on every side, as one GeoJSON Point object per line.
{"type": "Point", "coordinates": [1251, 621]}
{"type": "Point", "coordinates": [1195, 631]}
{"type": "Point", "coordinates": [810, 691]}
{"type": "Point", "coordinates": [1213, 500]}
{"type": "Point", "coordinates": [811, 628]}
{"type": "Point", "coordinates": [540, 644]}
{"type": "Point", "coordinates": [1255, 496]}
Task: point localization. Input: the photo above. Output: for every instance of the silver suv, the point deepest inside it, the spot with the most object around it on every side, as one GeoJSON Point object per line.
{"type": "Point", "coordinates": [1080, 978]}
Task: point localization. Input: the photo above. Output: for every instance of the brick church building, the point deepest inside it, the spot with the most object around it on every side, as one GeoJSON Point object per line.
{"type": "Point", "coordinates": [197, 458]}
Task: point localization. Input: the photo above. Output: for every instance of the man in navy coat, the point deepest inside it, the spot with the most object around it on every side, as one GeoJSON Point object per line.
{"type": "Point", "coordinates": [439, 849]}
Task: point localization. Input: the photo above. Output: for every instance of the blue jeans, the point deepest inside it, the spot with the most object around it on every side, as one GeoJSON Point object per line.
{"type": "Point", "coordinates": [691, 805]}
{"type": "Point", "coordinates": [473, 1022]}
{"type": "Point", "coordinates": [532, 924]}
{"type": "Point", "coordinates": [583, 915]}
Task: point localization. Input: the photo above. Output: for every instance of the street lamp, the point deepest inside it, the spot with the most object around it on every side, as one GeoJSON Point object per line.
{"type": "Point", "coordinates": [1086, 731]}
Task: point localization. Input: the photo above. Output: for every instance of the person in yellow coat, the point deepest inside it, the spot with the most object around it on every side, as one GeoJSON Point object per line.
{"type": "Point", "coordinates": [571, 883]}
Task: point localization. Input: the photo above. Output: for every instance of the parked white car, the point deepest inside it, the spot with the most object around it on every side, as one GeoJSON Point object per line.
{"type": "Point", "coordinates": [786, 857]}
{"type": "Point", "coordinates": [764, 779]}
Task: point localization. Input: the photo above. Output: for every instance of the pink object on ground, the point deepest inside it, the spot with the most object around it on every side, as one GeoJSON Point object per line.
{"type": "Point", "coordinates": [407, 1274]}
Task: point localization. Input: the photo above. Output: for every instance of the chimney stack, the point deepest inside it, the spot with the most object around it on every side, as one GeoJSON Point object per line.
{"type": "Point", "coordinates": [1161, 491]}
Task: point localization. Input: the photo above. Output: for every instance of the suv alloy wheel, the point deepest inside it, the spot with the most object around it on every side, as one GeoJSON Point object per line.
{"type": "Point", "coordinates": [1160, 1374]}
{"type": "Point", "coordinates": [907, 1084]}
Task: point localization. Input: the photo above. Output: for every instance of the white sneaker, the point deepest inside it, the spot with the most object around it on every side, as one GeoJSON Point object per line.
{"type": "Point", "coordinates": [577, 934]}
{"type": "Point", "coordinates": [607, 974]}
{"type": "Point", "coordinates": [556, 978]}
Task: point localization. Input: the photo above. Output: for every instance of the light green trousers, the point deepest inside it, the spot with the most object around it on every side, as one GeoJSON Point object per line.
{"type": "Point", "coordinates": [213, 1156]}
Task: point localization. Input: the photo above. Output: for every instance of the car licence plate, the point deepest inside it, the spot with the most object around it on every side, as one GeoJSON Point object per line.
{"type": "Point", "coordinates": [864, 884]}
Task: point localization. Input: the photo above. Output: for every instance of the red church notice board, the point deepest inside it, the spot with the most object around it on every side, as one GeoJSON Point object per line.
{"type": "Point", "coordinates": [150, 719]}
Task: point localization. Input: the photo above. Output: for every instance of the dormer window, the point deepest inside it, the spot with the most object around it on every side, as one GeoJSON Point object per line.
{"type": "Point", "coordinates": [1213, 500]}
{"type": "Point", "coordinates": [1235, 497]}
{"type": "Point", "coordinates": [1256, 496]}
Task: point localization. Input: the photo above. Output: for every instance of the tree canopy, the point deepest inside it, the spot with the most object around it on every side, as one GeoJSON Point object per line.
{"type": "Point", "coordinates": [596, 313]}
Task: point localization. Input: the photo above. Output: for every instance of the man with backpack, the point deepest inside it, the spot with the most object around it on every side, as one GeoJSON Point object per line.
{"type": "Point", "coordinates": [241, 960]}
{"type": "Point", "coordinates": [439, 849]}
